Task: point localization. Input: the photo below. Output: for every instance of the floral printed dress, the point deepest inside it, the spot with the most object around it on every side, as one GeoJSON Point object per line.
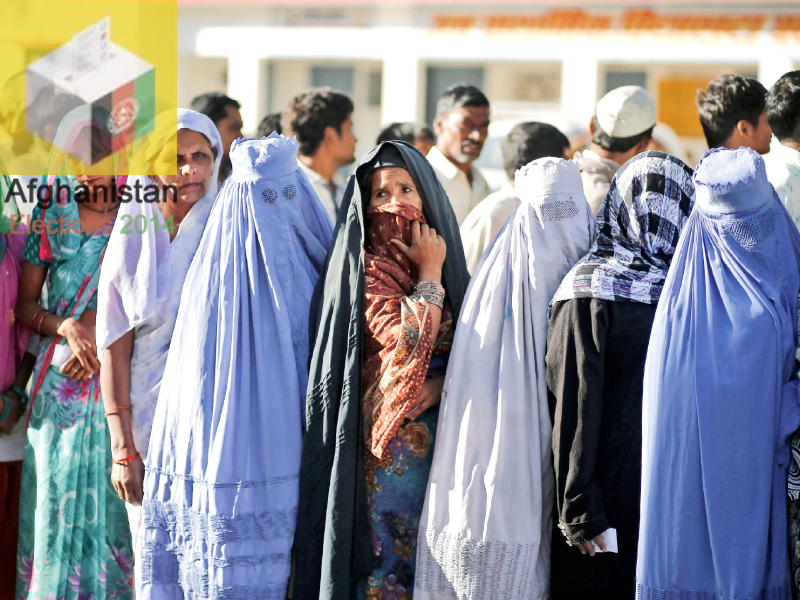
{"type": "Point", "coordinates": [396, 495]}
{"type": "Point", "coordinates": [74, 541]}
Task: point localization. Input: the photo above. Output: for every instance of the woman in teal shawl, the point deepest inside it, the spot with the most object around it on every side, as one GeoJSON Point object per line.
{"type": "Point", "coordinates": [74, 541]}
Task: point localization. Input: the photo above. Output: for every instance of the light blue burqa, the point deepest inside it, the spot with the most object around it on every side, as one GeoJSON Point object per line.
{"type": "Point", "coordinates": [720, 395]}
{"type": "Point", "coordinates": [221, 486]}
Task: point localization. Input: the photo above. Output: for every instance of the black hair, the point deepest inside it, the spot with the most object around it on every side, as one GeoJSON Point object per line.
{"type": "Point", "coordinates": [783, 107]}
{"type": "Point", "coordinates": [311, 112]}
{"type": "Point", "coordinates": [387, 156]}
{"type": "Point", "coordinates": [405, 132]}
{"type": "Point", "coordinates": [616, 144]}
{"type": "Point", "coordinates": [270, 123]}
{"type": "Point", "coordinates": [460, 95]}
{"type": "Point", "coordinates": [213, 105]}
{"type": "Point", "coordinates": [528, 141]}
{"type": "Point", "coordinates": [727, 100]}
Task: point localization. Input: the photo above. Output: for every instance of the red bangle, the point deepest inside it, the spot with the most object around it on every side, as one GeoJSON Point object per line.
{"type": "Point", "coordinates": [122, 461]}
{"type": "Point", "coordinates": [41, 322]}
{"type": "Point", "coordinates": [33, 320]}
{"type": "Point", "coordinates": [115, 410]}
{"type": "Point", "coordinates": [45, 314]}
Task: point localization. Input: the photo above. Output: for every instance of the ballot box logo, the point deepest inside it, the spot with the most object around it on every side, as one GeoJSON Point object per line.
{"type": "Point", "coordinates": [88, 87]}
{"type": "Point", "coordinates": [114, 87]}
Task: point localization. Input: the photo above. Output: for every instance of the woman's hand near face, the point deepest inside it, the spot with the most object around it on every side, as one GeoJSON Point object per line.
{"type": "Point", "coordinates": [427, 251]}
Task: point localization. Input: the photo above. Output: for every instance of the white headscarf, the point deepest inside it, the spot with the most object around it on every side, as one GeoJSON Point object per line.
{"type": "Point", "coordinates": [485, 529]}
{"type": "Point", "coordinates": [136, 270]}
{"type": "Point", "coordinates": [143, 274]}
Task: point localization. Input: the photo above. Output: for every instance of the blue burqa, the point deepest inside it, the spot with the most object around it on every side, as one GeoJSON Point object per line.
{"type": "Point", "coordinates": [221, 485]}
{"type": "Point", "coordinates": [720, 395]}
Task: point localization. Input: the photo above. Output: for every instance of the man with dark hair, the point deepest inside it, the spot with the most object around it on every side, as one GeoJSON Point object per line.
{"type": "Point", "coordinates": [322, 120]}
{"type": "Point", "coordinates": [270, 123]}
{"type": "Point", "coordinates": [224, 112]}
{"type": "Point", "coordinates": [783, 161]}
{"type": "Point", "coordinates": [418, 134]}
{"type": "Point", "coordinates": [733, 113]}
{"type": "Point", "coordinates": [525, 143]}
{"type": "Point", "coordinates": [621, 128]}
{"type": "Point", "coordinates": [461, 126]}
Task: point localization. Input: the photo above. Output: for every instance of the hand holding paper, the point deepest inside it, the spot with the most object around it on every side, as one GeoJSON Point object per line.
{"type": "Point", "coordinates": [609, 539]}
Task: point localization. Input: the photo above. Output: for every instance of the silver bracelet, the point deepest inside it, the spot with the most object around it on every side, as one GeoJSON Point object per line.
{"type": "Point", "coordinates": [432, 291]}
{"type": "Point", "coordinates": [430, 285]}
{"type": "Point", "coordinates": [435, 300]}
{"type": "Point", "coordinates": [564, 531]}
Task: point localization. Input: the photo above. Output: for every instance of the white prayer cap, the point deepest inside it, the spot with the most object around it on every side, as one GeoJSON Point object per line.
{"type": "Point", "coordinates": [626, 111]}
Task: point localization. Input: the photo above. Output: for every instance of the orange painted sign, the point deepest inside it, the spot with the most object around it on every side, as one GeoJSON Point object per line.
{"type": "Point", "coordinates": [676, 104]}
{"type": "Point", "coordinates": [630, 20]}
{"type": "Point", "coordinates": [556, 19]}
{"type": "Point", "coordinates": [648, 19]}
{"type": "Point", "coordinates": [787, 23]}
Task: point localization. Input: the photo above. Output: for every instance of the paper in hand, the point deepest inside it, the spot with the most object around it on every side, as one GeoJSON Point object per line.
{"type": "Point", "coordinates": [610, 538]}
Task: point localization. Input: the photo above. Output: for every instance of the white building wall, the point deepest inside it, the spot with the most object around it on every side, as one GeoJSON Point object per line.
{"type": "Point", "coordinates": [198, 75]}
{"type": "Point", "coordinates": [397, 39]}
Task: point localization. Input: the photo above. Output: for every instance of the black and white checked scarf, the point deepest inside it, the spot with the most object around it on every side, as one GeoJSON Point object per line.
{"type": "Point", "coordinates": [636, 232]}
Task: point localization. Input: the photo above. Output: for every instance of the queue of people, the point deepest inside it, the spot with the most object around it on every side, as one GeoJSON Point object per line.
{"type": "Point", "coordinates": [397, 386]}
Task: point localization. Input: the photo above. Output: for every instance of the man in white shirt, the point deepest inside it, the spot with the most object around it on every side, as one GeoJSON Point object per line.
{"type": "Point", "coordinates": [322, 120]}
{"type": "Point", "coordinates": [461, 125]}
{"type": "Point", "coordinates": [621, 128]}
{"type": "Point", "coordinates": [525, 143]}
{"type": "Point", "coordinates": [783, 160]}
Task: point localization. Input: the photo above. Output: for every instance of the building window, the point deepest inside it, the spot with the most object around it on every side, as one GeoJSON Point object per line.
{"type": "Point", "coordinates": [537, 86]}
{"type": "Point", "coordinates": [375, 83]}
{"type": "Point", "coordinates": [615, 79]}
{"type": "Point", "coordinates": [441, 78]}
{"type": "Point", "coordinates": [338, 78]}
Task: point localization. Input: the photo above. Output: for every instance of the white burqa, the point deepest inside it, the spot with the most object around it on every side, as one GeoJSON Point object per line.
{"type": "Point", "coordinates": [486, 525]}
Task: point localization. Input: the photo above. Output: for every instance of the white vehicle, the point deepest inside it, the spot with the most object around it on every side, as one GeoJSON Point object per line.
{"type": "Point", "coordinates": [507, 114]}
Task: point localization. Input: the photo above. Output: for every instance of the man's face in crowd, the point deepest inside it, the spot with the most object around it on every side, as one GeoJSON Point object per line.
{"type": "Point", "coordinates": [462, 133]}
{"type": "Point", "coordinates": [761, 135]}
{"type": "Point", "coordinates": [344, 142]}
{"type": "Point", "coordinates": [230, 128]}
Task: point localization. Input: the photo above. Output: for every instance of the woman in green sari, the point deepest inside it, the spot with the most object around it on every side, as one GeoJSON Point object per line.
{"type": "Point", "coordinates": [74, 540]}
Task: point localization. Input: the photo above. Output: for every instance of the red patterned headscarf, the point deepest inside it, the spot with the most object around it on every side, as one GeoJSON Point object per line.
{"type": "Point", "coordinates": [399, 340]}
